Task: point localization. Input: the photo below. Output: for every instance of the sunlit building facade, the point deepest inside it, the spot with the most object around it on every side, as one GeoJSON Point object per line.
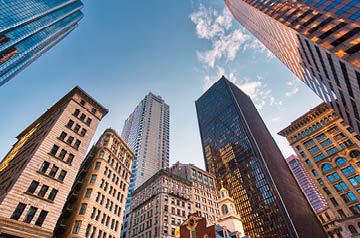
{"type": "Point", "coordinates": [29, 28]}
{"type": "Point", "coordinates": [96, 202]}
{"type": "Point", "coordinates": [315, 198]}
{"type": "Point", "coordinates": [318, 40]}
{"type": "Point", "coordinates": [37, 174]}
{"type": "Point", "coordinates": [240, 151]}
{"type": "Point", "coordinates": [146, 131]}
{"type": "Point", "coordinates": [330, 153]}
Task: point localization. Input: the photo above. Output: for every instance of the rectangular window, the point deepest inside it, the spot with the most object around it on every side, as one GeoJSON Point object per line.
{"type": "Point", "coordinates": [88, 192]}
{"type": "Point", "coordinates": [62, 154]}
{"type": "Point", "coordinates": [62, 175]}
{"type": "Point", "coordinates": [43, 191]}
{"type": "Point", "coordinates": [77, 144]}
{"type": "Point", "coordinates": [18, 211]}
{"type": "Point", "coordinates": [54, 150]}
{"type": "Point", "coordinates": [32, 186]}
{"type": "Point", "coordinates": [70, 124]}
{"type": "Point", "coordinates": [70, 139]}
{"type": "Point", "coordinates": [53, 171]}
{"type": "Point", "coordinates": [82, 209]}
{"type": "Point", "coordinates": [83, 132]}
{"type": "Point", "coordinates": [70, 158]}
{"type": "Point", "coordinates": [77, 128]}
{"type": "Point", "coordinates": [76, 228]}
{"type": "Point", "coordinates": [52, 194]}
{"type": "Point", "coordinates": [41, 218]}
{"type": "Point", "coordinates": [93, 179]}
{"type": "Point", "coordinates": [88, 121]}
{"type": "Point", "coordinates": [30, 214]}
{"type": "Point", "coordinates": [82, 117]}
{"type": "Point", "coordinates": [44, 167]}
{"type": "Point", "coordinates": [62, 135]}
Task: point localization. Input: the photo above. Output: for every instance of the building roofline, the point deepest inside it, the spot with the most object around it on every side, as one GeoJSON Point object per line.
{"type": "Point", "coordinates": [121, 139]}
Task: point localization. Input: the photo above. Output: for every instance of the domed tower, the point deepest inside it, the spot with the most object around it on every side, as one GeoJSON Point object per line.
{"type": "Point", "coordinates": [228, 215]}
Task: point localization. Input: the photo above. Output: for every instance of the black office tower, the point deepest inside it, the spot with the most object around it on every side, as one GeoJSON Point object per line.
{"type": "Point", "coordinates": [240, 151]}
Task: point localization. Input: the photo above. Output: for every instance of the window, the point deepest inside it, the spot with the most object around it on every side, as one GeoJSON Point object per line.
{"type": "Point", "coordinates": [18, 211]}
{"type": "Point", "coordinates": [32, 186]}
{"type": "Point", "coordinates": [44, 167]}
{"type": "Point", "coordinates": [82, 102]}
{"type": "Point", "coordinates": [77, 112]}
{"type": "Point", "coordinates": [340, 161]}
{"type": "Point", "coordinates": [354, 154]}
{"type": "Point", "coordinates": [334, 202]}
{"type": "Point", "coordinates": [52, 194]}
{"type": "Point", "coordinates": [70, 158]}
{"type": "Point", "coordinates": [82, 209]}
{"type": "Point", "coordinates": [83, 132]}
{"type": "Point", "coordinates": [63, 135]}
{"type": "Point", "coordinates": [88, 192]}
{"type": "Point", "coordinates": [54, 150]}
{"type": "Point", "coordinates": [77, 128]}
{"type": "Point", "coordinates": [308, 162]}
{"type": "Point", "coordinates": [70, 123]}
{"type": "Point", "coordinates": [298, 147]}
{"type": "Point", "coordinates": [76, 228]}
{"type": "Point", "coordinates": [342, 214]}
{"type": "Point", "coordinates": [315, 173]}
{"type": "Point", "coordinates": [41, 218]}
{"type": "Point", "coordinates": [93, 110]}
{"type": "Point", "coordinates": [82, 117]}
{"type": "Point", "coordinates": [53, 171]}
{"type": "Point", "coordinates": [101, 154]}
{"type": "Point", "coordinates": [351, 196]}
{"type": "Point", "coordinates": [70, 139]}
{"type": "Point", "coordinates": [62, 175]}
{"type": "Point", "coordinates": [88, 121]}
{"type": "Point", "coordinates": [352, 229]}
{"type": "Point", "coordinates": [302, 154]}
{"type": "Point", "coordinates": [353, 182]}
{"type": "Point", "coordinates": [30, 214]}
{"type": "Point", "coordinates": [97, 166]}
{"type": "Point", "coordinates": [43, 191]}
{"type": "Point", "coordinates": [93, 178]}
{"type": "Point", "coordinates": [62, 154]}
{"type": "Point", "coordinates": [77, 144]}
{"type": "Point", "coordinates": [326, 167]}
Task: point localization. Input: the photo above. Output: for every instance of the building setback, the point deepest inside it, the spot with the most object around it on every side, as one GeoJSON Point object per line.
{"type": "Point", "coordinates": [240, 151]}
{"type": "Point", "coordinates": [330, 153]}
{"type": "Point", "coordinates": [146, 131]}
{"type": "Point", "coordinates": [30, 28]}
{"type": "Point", "coordinates": [160, 205]}
{"type": "Point", "coordinates": [203, 191]}
{"type": "Point", "coordinates": [96, 203]}
{"type": "Point", "coordinates": [37, 174]}
{"type": "Point", "coordinates": [307, 185]}
{"type": "Point", "coordinates": [317, 40]}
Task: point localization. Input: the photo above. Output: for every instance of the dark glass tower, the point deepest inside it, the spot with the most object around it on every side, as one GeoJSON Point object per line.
{"type": "Point", "coordinates": [30, 28]}
{"type": "Point", "coordinates": [240, 151]}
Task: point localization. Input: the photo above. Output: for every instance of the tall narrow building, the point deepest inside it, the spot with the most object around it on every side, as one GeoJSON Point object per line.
{"type": "Point", "coordinates": [38, 172]}
{"type": "Point", "coordinates": [317, 40]}
{"type": "Point", "coordinates": [330, 152]}
{"type": "Point", "coordinates": [96, 203]}
{"type": "Point", "coordinates": [30, 28]}
{"type": "Point", "coordinates": [240, 151]}
{"type": "Point", "coordinates": [147, 133]}
{"type": "Point", "coordinates": [307, 185]}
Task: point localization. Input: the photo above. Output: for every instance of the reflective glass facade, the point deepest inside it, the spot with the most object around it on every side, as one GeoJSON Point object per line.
{"type": "Point", "coordinates": [318, 40]}
{"type": "Point", "coordinates": [28, 28]}
{"type": "Point", "coordinates": [240, 151]}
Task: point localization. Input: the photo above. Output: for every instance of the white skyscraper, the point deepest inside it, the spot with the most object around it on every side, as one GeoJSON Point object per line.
{"type": "Point", "coordinates": [147, 132]}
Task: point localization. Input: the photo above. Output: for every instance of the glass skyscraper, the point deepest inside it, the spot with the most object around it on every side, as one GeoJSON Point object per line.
{"type": "Point", "coordinates": [318, 40]}
{"type": "Point", "coordinates": [240, 151]}
{"type": "Point", "coordinates": [147, 133]}
{"type": "Point", "coordinates": [30, 28]}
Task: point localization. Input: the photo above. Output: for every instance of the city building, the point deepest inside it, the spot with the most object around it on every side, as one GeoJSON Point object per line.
{"type": "Point", "coordinates": [159, 206]}
{"type": "Point", "coordinates": [203, 191]}
{"type": "Point", "coordinates": [317, 40]}
{"type": "Point", "coordinates": [239, 150]}
{"type": "Point", "coordinates": [330, 153]}
{"type": "Point", "coordinates": [30, 28]}
{"type": "Point", "coordinates": [96, 203]}
{"type": "Point", "coordinates": [38, 172]}
{"type": "Point", "coordinates": [146, 131]}
{"type": "Point", "coordinates": [307, 185]}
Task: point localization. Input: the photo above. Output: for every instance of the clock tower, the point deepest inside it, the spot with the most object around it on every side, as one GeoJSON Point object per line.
{"type": "Point", "coordinates": [228, 215]}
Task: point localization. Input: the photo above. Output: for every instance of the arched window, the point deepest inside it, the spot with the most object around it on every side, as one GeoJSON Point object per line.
{"type": "Point", "coordinates": [352, 229]}
{"type": "Point", "coordinates": [101, 154]}
{"type": "Point", "coordinates": [322, 122]}
{"type": "Point", "coordinates": [340, 161]}
{"type": "Point", "coordinates": [307, 131]}
{"type": "Point", "coordinates": [326, 167]}
{"type": "Point", "coordinates": [303, 133]}
{"type": "Point", "coordinates": [311, 129]}
{"type": "Point", "coordinates": [315, 127]}
{"type": "Point", "coordinates": [314, 172]}
{"type": "Point", "coordinates": [354, 153]}
{"type": "Point", "coordinates": [318, 124]}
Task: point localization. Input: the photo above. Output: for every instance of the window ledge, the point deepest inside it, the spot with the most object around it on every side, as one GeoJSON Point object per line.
{"type": "Point", "coordinates": [67, 143]}
{"type": "Point", "coordinates": [34, 195]}
{"type": "Point", "coordinates": [74, 131]}
{"type": "Point", "coordinates": [48, 176]}
{"type": "Point", "coordinates": [59, 159]}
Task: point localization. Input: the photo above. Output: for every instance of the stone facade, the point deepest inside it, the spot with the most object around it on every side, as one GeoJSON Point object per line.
{"type": "Point", "coordinates": [330, 152]}
{"type": "Point", "coordinates": [37, 174]}
{"type": "Point", "coordinates": [96, 203]}
{"type": "Point", "coordinates": [159, 205]}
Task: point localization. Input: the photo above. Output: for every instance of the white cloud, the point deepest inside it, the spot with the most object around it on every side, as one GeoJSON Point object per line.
{"type": "Point", "coordinates": [294, 87]}
{"type": "Point", "coordinates": [259, 47]}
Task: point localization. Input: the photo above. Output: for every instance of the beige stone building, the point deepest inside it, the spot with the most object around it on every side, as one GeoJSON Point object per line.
{"type": "Point", "coordinates": [37, 174]}
{"type": "Point", "coordinates": [203, 192]}
{"type": "Point", "coordinates": [96, 203]}
{"type": "Point", "coordinates": [159, 206]}
{"type": "Point", "coordinates": [330, 152]}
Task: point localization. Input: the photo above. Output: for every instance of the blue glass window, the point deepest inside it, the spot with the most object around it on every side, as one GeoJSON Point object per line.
{"type": "Point", "coordinates": [340, 161]}
{"type": "Point", "coordinates": [351, 169]}
{"type": "Point", "coordinates": [345, 172]}
{"type": "Point", "coordinates": [315, 172]}
{"type": "Point", "coordinates": [347, 7]}
{"type": "Point", "coordinates": [353, 182]}
{"type": "Point", "coordinates": [331, 178]}
{"type": "Point", "coordinates": [326, 167]}
{"type": "Point", "coordinates": [336, 176]}
{"type": "Point", "coordinates": [343, 186]}
{"type": "Point", "coordinates": [352, 196]}
{"type": "Point", "coordinates": [337, 187]}
{"type": "Point", "coordinates": [302, 154]}
{"type": "Point", "coordinates": [308, 162]}
{"type": "Point", "coordinates": [332, 5]}
{"type": "Point", "coordinates": [298, 147]}
{"type": "Point", "coordinates": [355, 16]}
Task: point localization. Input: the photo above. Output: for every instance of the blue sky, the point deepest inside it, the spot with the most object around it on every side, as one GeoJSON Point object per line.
{"type": "Point", "coordinates": [124, 49]}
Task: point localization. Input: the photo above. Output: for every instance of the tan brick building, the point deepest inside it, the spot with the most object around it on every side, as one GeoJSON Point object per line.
{"type": "Point", "coordinates": [37, 174]}
{"type": "Point", "coordinates": [96, 203]}
{"type": "Point", "coordinates": [330, 152]}
{"type": "Point", "coordinates": [203, 192]}
{"type": "Point", "coordinates": [159, 205]}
